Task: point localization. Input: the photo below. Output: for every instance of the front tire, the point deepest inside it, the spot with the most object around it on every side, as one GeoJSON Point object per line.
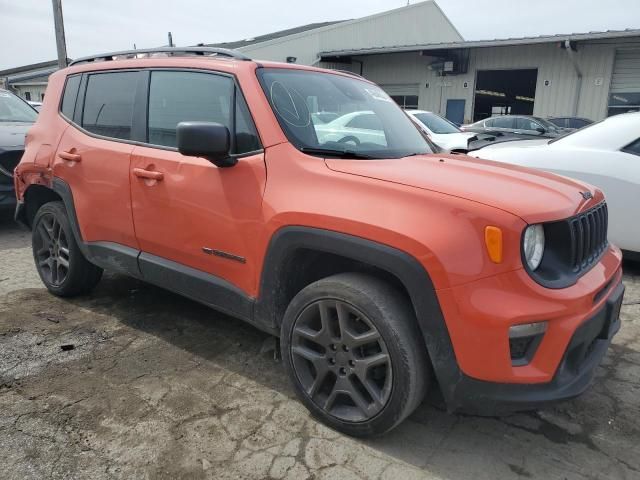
{"type": "Point", "coordinates": [353, 351]}
{"type": "Point", "coordinates": [61, 265]}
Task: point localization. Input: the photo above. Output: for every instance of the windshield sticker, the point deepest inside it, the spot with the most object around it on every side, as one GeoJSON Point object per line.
{"type": "Point", "coordinates": [290, 105]}
{"type": "Point", "coordinates": [378, 95]}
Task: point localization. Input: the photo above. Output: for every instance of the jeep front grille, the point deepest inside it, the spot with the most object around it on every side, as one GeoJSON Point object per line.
{"type": "Point", "coordinates": [572, 247]}
{"type": "Point", "coordinates": [588, 236]}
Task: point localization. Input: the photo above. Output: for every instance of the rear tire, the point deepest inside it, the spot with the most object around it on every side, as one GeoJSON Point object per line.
{"type": "Point", "coordinates": [61, 265]}
{"type": "Point", "coordinates": [353, 351]}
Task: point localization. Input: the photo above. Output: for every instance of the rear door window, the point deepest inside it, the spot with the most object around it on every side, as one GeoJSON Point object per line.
{"type": "Point", "coordinates": [633, 148]}
{"type": "Point", "coordinates": [523, 123]}
{"type": "Point", "coordinates": [108, 104]}
{"type": "Point", "coordinates": [504, 122]}
{"type": "Point", "coordinates": [68, 104]}
{"type": "Point", "coordinates": [577, 123]}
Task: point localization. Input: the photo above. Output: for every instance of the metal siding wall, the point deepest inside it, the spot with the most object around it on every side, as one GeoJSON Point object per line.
{"type": "Point", "coordinates": [596, 64]}
{"type": "Point", "coordinates": [553, 63]}
{"type": "Point", "coordinates": [417, 24]}
{"type": "Point", "coordinates": [35, 90]}
{"type": "Point", "coordinates": [626, 72]}
{"type": "Point", "coordinates": [401, 89]}
{"type": "Point", "coordinates": [305, 49]}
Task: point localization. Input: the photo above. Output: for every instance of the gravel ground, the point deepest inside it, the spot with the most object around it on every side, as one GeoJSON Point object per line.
{"type": "Point", "coordinates": [157, 386]}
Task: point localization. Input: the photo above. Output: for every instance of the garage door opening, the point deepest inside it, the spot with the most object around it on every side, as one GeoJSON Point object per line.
{"type": "Point", "coordinates": [504, 92]}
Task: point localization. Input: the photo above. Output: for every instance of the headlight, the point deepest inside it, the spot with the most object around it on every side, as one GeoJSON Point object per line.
{"type": "Point", "coordinates": [533, 245]}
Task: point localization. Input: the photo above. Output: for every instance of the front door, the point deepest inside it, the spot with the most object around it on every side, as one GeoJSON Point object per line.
{"type": "Point", "coordinates": [193, 216]}
{"type": "Point", "coordinates": [455, 111]}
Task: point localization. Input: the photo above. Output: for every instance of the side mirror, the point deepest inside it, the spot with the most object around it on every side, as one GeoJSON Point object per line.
{"type": "Point", "coordinates": [540, 130]}
{"type": "Point", "coordinates": [206, 139]}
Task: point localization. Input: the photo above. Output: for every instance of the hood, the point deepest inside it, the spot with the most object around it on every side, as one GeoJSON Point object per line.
{"type": "Point", "coordinates": [532, 195]}
{"type": "Point", "coordinates": [12, 133]}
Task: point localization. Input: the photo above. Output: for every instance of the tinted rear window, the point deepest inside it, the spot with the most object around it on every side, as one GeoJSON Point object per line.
{"type": "Point", "coordinates": [523, 123]}
{"type": "Point", "coordinates": [70, 95]}
{"type": "Point", "coordinates": [503, 122]}
{"type": "Point", "coordinates": [633, 148]}
{"type": "Point", "coordinates": [108, 104]}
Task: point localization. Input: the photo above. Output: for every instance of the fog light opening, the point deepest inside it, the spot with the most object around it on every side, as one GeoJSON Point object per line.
{"type": "Point", "coordinates": [524, 340]}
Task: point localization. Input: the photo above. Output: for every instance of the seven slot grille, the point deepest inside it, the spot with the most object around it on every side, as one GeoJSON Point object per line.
{"type": "Point", "coordinates": [588, 236]}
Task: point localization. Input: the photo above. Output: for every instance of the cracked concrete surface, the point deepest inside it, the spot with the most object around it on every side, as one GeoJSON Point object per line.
{"type": "Point", "coordinates": [160, 387]}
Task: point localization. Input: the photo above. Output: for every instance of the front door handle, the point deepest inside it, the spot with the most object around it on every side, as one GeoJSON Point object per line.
{"type": "Point", "coordinates": [149, 174]}
{"type": "Point", "coordinates": [70, 156]}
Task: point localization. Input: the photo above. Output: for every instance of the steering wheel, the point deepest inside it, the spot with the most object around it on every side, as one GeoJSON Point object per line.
{"type": "Point", "coordinates": [350, 138]}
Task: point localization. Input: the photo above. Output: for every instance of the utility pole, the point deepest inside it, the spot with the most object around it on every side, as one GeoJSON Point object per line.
{"type": "Point", "coordinates": [170, 38]}
{"type": "Point", "coordinates": [61, 43]}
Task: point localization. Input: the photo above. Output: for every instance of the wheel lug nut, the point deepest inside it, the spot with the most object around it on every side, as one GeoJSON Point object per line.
{"type": "Point", "coordinates": [332, 361]}
{"type": "Point", "coordinates": [333, 347]}
{"type": "Point", "coordinates": [352, 363]}
{"type": "Point", "coordinates": [345, 348]}
{"type": "Point", "coordinates": [343, 371]}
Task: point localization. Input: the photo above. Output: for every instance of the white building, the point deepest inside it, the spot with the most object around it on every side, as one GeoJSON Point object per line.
{"type": "Point", "coordinates": [417, 55]}
{"type": "Point", "coordinates": [28, 81]}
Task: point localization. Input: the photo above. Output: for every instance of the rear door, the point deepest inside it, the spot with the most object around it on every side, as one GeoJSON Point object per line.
{"type": "Point", "coordinates": [197, 218]}
{"type": "Point", "coordinates": [93, 156]}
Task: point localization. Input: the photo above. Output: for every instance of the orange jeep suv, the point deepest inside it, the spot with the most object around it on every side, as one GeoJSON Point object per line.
{"type": "Point", "coordinates": [305, 202]}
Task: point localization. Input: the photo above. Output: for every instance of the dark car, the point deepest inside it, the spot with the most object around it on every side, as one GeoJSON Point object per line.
{"type": "Point", "coordinates": [16, 116]}
{"type": "Point", "coordinates": [570, 123]}
{"type": "Point", "coordinates": [520, 125]}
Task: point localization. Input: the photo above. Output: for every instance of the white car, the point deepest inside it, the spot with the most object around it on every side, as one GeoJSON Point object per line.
{"type": "Point", "coordinates": [441, 131]}
{"type": "Point", "coordinates": [604, 154]}
{"type": "Point", "coordinates": [353, 128]}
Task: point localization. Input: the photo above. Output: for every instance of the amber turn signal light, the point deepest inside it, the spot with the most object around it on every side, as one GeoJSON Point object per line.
{"type": "Point", "coordinates": [493, 240]}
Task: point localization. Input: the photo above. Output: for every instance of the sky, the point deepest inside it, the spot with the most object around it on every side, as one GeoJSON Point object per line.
{"type": "Point", "coordinates": [96, 26]}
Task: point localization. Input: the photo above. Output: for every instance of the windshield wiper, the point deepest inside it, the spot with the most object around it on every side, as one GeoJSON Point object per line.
{"type": "Point", "coordinates": [329, 152]}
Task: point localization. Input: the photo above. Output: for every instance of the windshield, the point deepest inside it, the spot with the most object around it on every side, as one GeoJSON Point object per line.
{"type": "Point", "coordinates": [436, 123]}
{"type": "Point", "coordinates": [326, 114]}
{"type": "Point", "coordinates": [12, 109]}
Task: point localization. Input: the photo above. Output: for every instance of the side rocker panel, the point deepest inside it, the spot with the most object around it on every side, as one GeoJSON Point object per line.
{"type": "Point", "coordinates": [197, 285]}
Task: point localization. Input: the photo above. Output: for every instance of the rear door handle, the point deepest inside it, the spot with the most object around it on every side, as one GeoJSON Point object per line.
{"type": "Point", "coordinates": [70, 156]}
{"type": "Point", "coordinates": [150, 174]}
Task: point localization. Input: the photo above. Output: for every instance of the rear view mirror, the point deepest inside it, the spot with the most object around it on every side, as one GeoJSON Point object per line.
{"type": "Point", "coordinates": [206, 139]}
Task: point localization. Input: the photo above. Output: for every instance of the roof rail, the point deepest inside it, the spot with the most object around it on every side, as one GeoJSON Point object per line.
{"type": "Point", "coordinates": [170, 51]}
{"type": "Point", "coordinates": [348, 72]}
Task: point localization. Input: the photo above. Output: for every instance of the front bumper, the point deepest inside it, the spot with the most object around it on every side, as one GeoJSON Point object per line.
{"type": "Point", "coordinates": [584, 353]}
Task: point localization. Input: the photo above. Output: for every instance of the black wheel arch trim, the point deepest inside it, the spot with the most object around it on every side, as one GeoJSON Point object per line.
{"type": "Point", "coordinates": [63, 189]}
{"type": "Point", "coordinates": [406, 268]}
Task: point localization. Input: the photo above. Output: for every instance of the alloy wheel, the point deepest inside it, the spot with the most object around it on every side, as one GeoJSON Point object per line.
{"type": "Point", "coordinates": [51, 250]}
{"type": "Point", "coordinates": [341, 360]}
